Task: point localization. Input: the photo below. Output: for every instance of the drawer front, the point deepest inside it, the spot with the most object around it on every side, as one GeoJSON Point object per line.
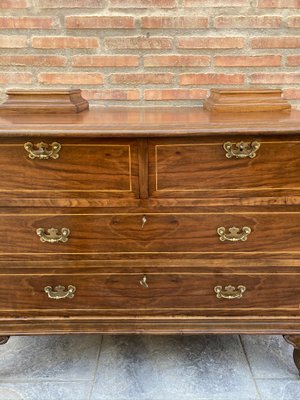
{"type": "Point", "coordinates": [194, 168]}
{"type": "Point", "coordinates": [86, 168]}
{"type": "Point", "coordinates": [191, 291]}
{"type": "Point", "coordinates": [138, 233]}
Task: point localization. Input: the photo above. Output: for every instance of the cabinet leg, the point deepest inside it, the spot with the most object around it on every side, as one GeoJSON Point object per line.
{"type": "Point", "coordinates": [3, 339]}
{"type": "Point", "coordinates": [295, 341]}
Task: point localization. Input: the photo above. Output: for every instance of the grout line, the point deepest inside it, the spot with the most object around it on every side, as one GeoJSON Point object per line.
{"type": "Point", "coordinates": [96, 369]}
{"type": "Point", "coordinates": [41, 380]}
{"type": "Point", "coordinates": [279, 379]}
{"type": "Point", "coordinates": [250, 368]}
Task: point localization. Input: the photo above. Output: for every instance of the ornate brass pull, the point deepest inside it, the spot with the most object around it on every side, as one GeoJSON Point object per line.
{"type": "Point", "coordinates": [43, 150]}
{"type": "Point", "coordinates": [60, 292]}
{"type": "Point", "coordinates": [229, 292]}
{"type": "Point", "coordinates": [234, 234]}
{"type": "Point", "coordinates": [53, 236]}
{"type": "Point", "coordinates": [241, 149]}
{"type": "Point", "coordinates": [144, 282]}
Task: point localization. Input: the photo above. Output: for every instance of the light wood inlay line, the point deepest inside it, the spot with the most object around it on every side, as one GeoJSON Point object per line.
{"type": "Point", "coordinates": [232, 309]}
{"type": "Point", "coordinates": [154, 214]}
{"type": "Point", "coordinates": [235, 139]}
{"type": "Point", "coordinates": [164, 252]}
{"type": "Point", "coordinates": [138, 274]}
{"type": "Point", "coordinates": [73, 319]}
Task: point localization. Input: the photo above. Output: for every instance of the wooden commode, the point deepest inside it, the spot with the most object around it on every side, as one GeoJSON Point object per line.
{"type": "Point", "coordinates": [148, 220]}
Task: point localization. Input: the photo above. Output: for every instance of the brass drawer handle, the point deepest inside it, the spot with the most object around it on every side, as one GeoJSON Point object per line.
{"type": "Point", "coordinates": [52, 235]}
{"type": "Point", "coordinates": [144, 282]}
{"type": "Point", "coordinates": [234, 234]}
{"type": "Point", "coordinates": [241, 149]}
{"type": "Point", "coordinates": [229, 292]}
{"type": "Point", "coordinates": [43, 150]}
{"type": "Point", "coordinates": [60, 292]}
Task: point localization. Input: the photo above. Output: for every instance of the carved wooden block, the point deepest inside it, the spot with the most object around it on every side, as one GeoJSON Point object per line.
{"type": "Point", "coordinates": [249, 100]}
{"type": "Point", "coordinates": [53, 101]}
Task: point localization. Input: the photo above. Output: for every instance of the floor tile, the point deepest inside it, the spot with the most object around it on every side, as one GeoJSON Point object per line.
{"type": "Point", "coordinates": [279, 389]}
{"type": "Point", "coordinates": [270, 356]}
{"type": "Point", "coordinates": [45, 391]}
{"type": "Point", "coordinates": [173, 368]}
{"type": "Point", "coordinates": [9, 394]}
{"type": "Point", "coordinates": [60, 358]}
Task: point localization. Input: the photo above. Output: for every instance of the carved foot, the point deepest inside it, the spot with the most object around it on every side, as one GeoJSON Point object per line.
{"type": "Point", "coordinates": [295, 341]}
{"type": "Point", "coordinates": [3, 339]}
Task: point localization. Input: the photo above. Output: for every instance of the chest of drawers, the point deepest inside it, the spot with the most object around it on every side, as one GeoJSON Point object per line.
{"type": "Point", "coordinates": [150, 221]}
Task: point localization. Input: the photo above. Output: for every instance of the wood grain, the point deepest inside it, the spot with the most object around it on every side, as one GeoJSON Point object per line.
{"type": "Point", "coordinates": [166, 292]}
{"type": "Point", "coordinates": [86, 168]}
{"type": "Point", "coordinates": [163, 232]}
{"type": "Point", "coordinates": [166, 167]}
{"type": "Point", "coordinates": [201, 169]}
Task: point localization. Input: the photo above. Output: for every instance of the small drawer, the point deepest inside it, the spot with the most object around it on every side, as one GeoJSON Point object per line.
{"type": "Point", "coordinates": [60, 167]}
{"type": "Point", "coordinates": [154, 292]}
{"type": "Point", "coordinates": [229, 167]}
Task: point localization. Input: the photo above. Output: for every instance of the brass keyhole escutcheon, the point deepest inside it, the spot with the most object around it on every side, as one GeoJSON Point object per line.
{"type": "Point", "coordinates": [143, 282]}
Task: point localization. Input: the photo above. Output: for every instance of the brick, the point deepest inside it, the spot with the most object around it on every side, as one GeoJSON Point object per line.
{"type": "Point", "coordinates": [142, 3]}
{"type": "Point", "coordinates": [292, 94]}
{"type": "Point", "coordinates": [245, 22]}
{"type": "Point", "coordinates": [13, 42]}
{"type": "Point", "coordinates": [26, 23]}
{"type": "Point", "coordinates": [95, 22]}
{"type": "Point", "coordinates": [293, 22]}
{"type": "Point", "coordinates": [71, 4]}
{"type": "Point", "coordinates": [175, 94]}
{"type": "Point", "coordinates": [64, 42]}
{"type": "Point", "coordinates": [138, 43]}
{"type": "Point", "coordinates": [248, 61]}
{"type": "Point", "coordinates": [293, 61]}
{"type": "Point", "coordinates": [15, 77]}
{"type": "Point", "coordinates": [141, 78]}
{"type": "Point", "coordinates": [13, 4]}
{"type": "Point", "coordinates": [215, 3]}
{"type": "Point", "coordinates": [173, 60]}
{"type": "Point", "coordinates": [211, 42]}
{"type": "Point", "coordinates": [71, 78]}
{"type": "Point", "coordinates": [275, 78]}
{"type": "Point", "coordinates": [174, 22]}
{"type": "Point", "coordinates": [278, 3]}
{"type": "Point", "coordinates": [211, 79]}
{"type": "Point", "coordinates": [112, 94]}
{"type": "Point", "coordinates": [271, 42]}
{"type": "Point", "coordinates": [106, 61]}
{"type": "Point", "coordinates": [33, 60]}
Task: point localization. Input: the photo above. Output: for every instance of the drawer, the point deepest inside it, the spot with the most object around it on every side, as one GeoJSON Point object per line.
{"type": "Point", "coordinates": [201, 168]}
{"type": "Point", "coordinates": [172, 291]}
{"type": "Point", "coordinates": [210, 233]}
{"type": "Point", "coordinates": [64, 167]}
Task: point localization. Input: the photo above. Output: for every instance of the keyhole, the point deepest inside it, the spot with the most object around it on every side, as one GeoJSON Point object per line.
{"type": "Point", "coordinates": [144, 282]}
{"type": "Point", "coordinates": [144, 220]}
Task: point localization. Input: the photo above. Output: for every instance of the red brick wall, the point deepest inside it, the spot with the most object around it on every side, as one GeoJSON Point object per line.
{"type": "Point", "coordinates": [150, 52]}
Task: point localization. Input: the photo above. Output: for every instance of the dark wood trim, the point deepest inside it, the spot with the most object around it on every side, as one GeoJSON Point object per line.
{"type": "Point", "coordinates": [3, 339]}
{"type": "Point", "coordinates": [295, 341]}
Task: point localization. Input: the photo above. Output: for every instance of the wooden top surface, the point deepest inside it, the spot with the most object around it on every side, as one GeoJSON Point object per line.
{"type": "Point", "coordinates": [139, 122]}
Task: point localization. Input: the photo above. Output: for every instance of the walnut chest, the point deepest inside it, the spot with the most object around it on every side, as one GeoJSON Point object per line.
{"type": "Point", "coordinates": [150, 221]}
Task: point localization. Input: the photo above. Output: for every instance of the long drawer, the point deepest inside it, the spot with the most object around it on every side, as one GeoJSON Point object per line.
{"type": "Point", "coordinates": [228, 167]}
{"type": "Point", "coordinates": [143, 293]}
{"type": "Point", "coordinates": [186, 232]}
{"type": "Point", "coordinates": [53, 168]}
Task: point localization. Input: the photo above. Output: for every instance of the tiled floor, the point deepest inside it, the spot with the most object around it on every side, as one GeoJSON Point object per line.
{"type": "Point", "coordinates": [88, 367]}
